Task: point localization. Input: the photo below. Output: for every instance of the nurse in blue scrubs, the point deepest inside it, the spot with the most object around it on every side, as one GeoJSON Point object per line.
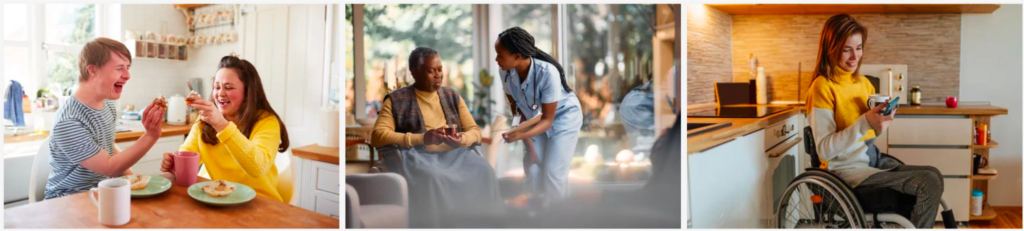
{"type": "Point", "coordinates": [535, 84]}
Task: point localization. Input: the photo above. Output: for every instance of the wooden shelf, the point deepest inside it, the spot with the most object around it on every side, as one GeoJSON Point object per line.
{"type": "Point", "coordinates": [987, 214]}
{"type": "Point", "coordinates": [984, 177]}
{"type": "Point", "coordinates": [991, 144]}
{"type": "Point", "coordinates": [755, 9]}
{"type": "Point", "coordinates": [189, 6]}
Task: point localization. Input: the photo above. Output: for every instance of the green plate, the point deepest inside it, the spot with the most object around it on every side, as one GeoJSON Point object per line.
{"type": "Point", "coordinates": [156, 186]}
{"type": "Point", "coordinates": [241, 194]}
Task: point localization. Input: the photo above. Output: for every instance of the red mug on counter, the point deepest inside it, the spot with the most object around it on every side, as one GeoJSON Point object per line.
{"type": "Point", "coordinates": [186, 167]}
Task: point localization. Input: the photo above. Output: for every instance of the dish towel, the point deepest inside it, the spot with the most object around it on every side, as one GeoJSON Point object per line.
{"type": "Point", "coordinates": [12, 106]}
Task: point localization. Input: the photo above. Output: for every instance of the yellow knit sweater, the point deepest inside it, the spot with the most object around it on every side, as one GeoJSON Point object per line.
{"type": "Point", "coordinates": [836, 112]}
{"type": "Point", "coordinates": [249, 161]}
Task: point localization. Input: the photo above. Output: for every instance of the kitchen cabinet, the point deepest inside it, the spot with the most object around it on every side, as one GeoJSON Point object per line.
{"type": "Point", "coordinates": [150, 163]}
{"type": "Point", "coordinates": [735, 184]}
{"type": "Point", "coordinates": [944, 138]}
{"type": "Point", "coordinates": [319, 187]}
{"type": "Point", "coordinates": [725, 184]}
{"type": "Point", "coordinates": [18, 159]}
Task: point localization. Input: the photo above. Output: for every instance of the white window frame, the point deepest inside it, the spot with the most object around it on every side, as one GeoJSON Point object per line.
{"type": "Point", "coordinates": [39, 49]}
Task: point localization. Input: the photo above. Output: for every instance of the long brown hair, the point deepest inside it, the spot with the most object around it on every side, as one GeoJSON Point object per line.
{"type": "Point", "coordinates": [837, 29]}
{"type": "Point", "coordinates": [255, 103]}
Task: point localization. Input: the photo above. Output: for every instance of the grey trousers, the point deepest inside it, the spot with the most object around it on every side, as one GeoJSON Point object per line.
{"type": "Point", "coordinates": [924, 182]}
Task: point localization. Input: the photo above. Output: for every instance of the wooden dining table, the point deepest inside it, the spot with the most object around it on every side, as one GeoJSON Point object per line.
{"type": "Point", "coordinates": [171, 209]}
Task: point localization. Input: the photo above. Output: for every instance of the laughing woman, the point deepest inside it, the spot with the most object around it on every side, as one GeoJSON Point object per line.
{"type": "Point", "coordinates": [238, 134]}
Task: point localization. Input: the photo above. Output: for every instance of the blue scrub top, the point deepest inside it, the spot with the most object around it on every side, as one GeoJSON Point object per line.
{"type": "Point", "coordinates": [543, 85]}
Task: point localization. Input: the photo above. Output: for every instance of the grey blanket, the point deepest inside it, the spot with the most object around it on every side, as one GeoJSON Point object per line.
{"type": "Point", "coordinates": [444, 186]}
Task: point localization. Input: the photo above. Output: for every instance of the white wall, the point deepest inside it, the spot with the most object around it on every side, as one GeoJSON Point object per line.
{"type": "Point", "coordinates": [990, 70]}
{"type": "Point", "coordinates": [151, 77]}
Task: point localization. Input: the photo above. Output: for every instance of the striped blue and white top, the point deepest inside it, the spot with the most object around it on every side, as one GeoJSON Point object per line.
{"type": "Point", "coordinates": [78, 133]}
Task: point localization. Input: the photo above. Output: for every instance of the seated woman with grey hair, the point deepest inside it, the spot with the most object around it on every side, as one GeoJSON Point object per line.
{"type": "Point", "coordinates": [445, 175]}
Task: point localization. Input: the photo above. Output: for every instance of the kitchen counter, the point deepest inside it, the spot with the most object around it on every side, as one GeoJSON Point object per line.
{"type": "Point", "coordinates": [318, 153]}
{"type": "Point", "coordinates": [742, 126]}
{"type": "Point", "coordinates": [167, 130]}
{"type": "Point", "coordinates": [943, 110]}
{"type": "Point", "coordinates": [739, 127]}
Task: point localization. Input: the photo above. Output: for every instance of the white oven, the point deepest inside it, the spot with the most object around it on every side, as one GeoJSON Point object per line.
{"type": "Point", "coordinates": [783, 142]}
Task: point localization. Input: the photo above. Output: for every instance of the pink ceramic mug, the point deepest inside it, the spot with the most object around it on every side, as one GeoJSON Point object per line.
{"type": "Point", "coordinates": [186, 167]}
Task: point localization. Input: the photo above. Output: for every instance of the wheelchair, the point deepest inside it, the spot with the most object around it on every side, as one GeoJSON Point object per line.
{"type": "Point", "coordinates": [818, 198]}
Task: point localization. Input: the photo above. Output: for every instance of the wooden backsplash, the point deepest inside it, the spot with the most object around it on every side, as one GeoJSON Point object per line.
{"type": "Point", "coordinates": [708, 52]}
{"type": "Point", "coordinates": [929, 44]}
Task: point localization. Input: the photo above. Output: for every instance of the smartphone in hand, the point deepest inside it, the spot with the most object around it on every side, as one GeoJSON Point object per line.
{"type": "Point", "coordinates": [891, 106]}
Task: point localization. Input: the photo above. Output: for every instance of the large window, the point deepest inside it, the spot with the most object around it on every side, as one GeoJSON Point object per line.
{"type": "Point", "coordinates": [392, 31]}
{"type": "Point", "coordinates": [534, 18]}
{"type": "Point", "coordinates": [606, 51]}
{"type": "Point", "coordinates": [609, 55]}
{"type": "Point", "coordinates": [61, 30]}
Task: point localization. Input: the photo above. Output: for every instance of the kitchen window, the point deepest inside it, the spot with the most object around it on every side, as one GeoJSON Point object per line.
{"type": "Point", "coordinates": [60, 30]}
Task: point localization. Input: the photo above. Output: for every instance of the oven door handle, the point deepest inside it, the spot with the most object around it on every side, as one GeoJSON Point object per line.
{"type": "Point", "coordinates": [784, 147]}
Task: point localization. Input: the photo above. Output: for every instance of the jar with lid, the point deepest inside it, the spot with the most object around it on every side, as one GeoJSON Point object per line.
{"type": "Point", "coordinates": [915, 96]}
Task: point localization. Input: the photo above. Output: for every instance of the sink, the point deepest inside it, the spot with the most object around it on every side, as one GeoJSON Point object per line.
{"type": "Point", "coordinates": [693, 129]}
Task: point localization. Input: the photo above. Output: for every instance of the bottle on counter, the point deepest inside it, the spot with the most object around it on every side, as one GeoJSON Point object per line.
{"type": "Point", "coordinates": [915, 96]}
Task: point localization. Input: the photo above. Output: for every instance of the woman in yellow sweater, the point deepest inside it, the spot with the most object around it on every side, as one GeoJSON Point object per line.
{"type": "Point", "coordinates": [845, 127]}
{"type": "Point", "coordinates": [238, 134]}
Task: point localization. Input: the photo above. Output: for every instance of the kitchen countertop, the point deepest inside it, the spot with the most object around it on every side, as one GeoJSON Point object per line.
{"type": "Point", "coordinates": [743, 126]}
{"type": "Point", "coordinates": [738, 128]}
{"type": "Point", "coordinates": [318, 153]}
{"type": "Point", "coordinates": [943, 110]}
{"type": "Point", "coordinates": [167, 130]}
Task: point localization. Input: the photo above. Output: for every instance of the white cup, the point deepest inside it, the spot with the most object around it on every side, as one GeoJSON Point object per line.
{"type": "Point", "coordinates": [874, 100]}
{"type": "Point", "coordinates": [114, 201]}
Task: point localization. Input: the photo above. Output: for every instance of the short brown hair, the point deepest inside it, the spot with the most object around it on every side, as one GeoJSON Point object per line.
{"type": "Point", "coordinates": [837, 29]}
{"type": "Point", "coordinates": [97, 53]}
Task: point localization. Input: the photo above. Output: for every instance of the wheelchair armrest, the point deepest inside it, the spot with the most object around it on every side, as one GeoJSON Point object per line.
{"type": "Point", "coordinates": [892, 157]}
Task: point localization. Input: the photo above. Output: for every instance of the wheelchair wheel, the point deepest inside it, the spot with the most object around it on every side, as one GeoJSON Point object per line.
{"type": "Point", "coordinates": [813, 201]}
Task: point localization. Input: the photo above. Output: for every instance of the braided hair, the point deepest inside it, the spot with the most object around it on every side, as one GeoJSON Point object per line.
{"type": "Point", "coordinates": [518, 41]}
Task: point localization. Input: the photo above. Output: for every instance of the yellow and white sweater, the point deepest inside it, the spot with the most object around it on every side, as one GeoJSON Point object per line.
{"type": "Point", "coordinates": [842, 134]}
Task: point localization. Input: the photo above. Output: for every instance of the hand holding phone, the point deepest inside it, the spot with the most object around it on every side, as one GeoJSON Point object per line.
{"type": "Point", "coordinates": [890, 107]}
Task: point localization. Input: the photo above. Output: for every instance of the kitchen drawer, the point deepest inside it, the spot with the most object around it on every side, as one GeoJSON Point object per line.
{"type": "Point", "coordinates": [949, 161]}
{"type": "Point", "coordinates": [930, 131]}
{"type": "Point", "coordinates": [958, 193]}
{"type": "Point", "coordinates": [776, 133]}
{"type": "Point", "coordinates": [149, 167]}
{"type": "Point", "coordinates": [327, 204]}
{"type": "Point", "coordinates": [327, 177]}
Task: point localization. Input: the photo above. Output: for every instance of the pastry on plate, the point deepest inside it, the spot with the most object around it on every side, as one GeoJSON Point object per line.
{"type": "Point", "coordinates": [192, 97]}
{"type": "Point", "coordinates": [219, 188]}
{"type": "Point", "coordinates": [138, 181]}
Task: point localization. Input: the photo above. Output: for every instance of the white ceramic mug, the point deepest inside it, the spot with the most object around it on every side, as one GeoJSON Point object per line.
{"type": "Point", "coordinates": [114, 201]}
{"type": "Point", "coordinates": [874, 100]}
